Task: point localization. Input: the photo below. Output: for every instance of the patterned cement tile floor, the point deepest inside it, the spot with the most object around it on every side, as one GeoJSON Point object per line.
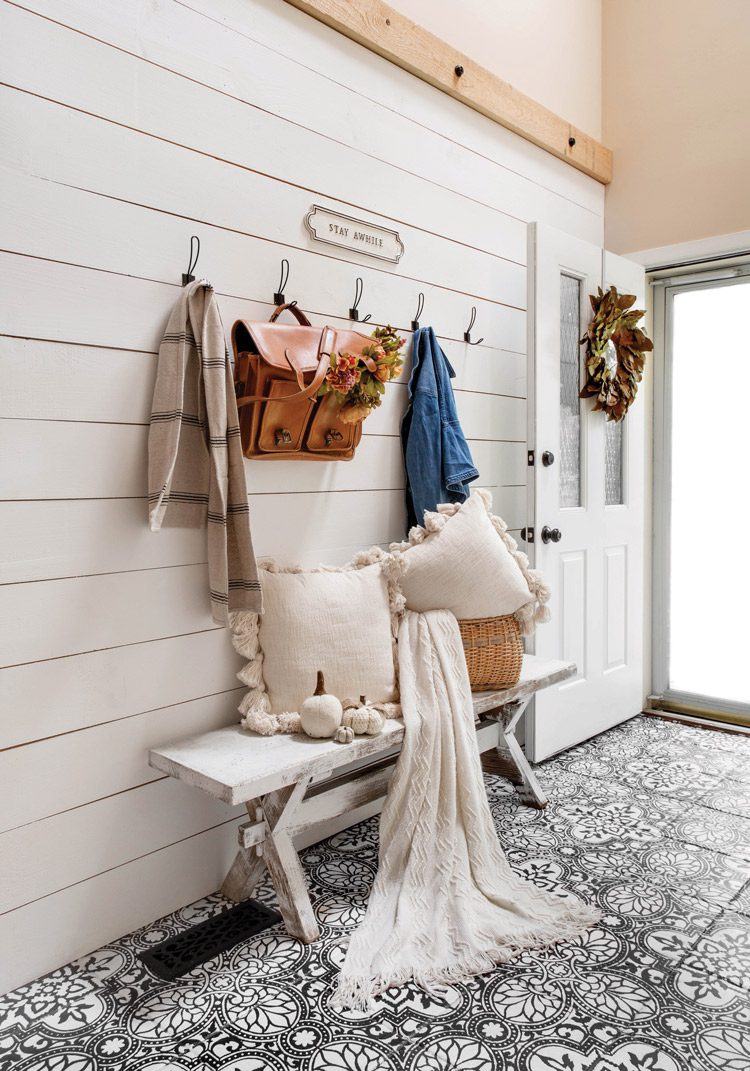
{"type": "Point", "coordinates": [651, 821]}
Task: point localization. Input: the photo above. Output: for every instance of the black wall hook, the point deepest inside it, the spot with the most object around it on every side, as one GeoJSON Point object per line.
{"type": "Point", "coordinates": [354, 310]}
{"type": "Point", "coordinates": [467, 332]}
{"type": "Point", "coordinates": [278, 297]}
{"type": "Point", "coordinates": [418, 313]}
{"type": "Point", "coordinates": [187, 276]}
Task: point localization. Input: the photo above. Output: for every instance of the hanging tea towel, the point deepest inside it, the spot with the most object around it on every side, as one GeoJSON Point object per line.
{"type": "Point", "coordinates": [196, 470]}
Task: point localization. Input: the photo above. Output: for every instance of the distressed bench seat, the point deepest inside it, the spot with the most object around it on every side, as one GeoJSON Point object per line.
{"type": "Point", "coordinates": [291, 784]}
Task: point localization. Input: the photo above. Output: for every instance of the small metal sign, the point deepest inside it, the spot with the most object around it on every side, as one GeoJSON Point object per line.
{"type": "Point", "coordinates": [333, 228]}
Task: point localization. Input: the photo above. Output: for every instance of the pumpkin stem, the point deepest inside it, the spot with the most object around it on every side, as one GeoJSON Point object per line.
{"type": "Point", "coordinates": [320, 687]}
{"type": "Point", "coordinates": [363, 701]}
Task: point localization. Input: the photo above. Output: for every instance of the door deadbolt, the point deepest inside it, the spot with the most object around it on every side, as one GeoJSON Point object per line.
{"type": "Point", "coordinates": [551, 535]}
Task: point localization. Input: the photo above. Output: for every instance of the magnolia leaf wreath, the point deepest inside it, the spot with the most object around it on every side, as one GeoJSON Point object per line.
{"type": "Point", "coordinates": [615, 352]}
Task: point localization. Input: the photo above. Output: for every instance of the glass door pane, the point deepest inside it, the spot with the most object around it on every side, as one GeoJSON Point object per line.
{"type": "Point", "coordinates": [570, 385]}
{"type": "Point", "coordinates": [709, 603]}
{"type": "Point", "coordinates": [613, 456]}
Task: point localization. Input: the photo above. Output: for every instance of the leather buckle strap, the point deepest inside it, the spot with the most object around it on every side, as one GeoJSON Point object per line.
{"type": "Point", "coordinates": [299, 374]}
{"type": "Point", "coordinates": [327, 342]}
{"type": "Point", "coordinates": [290, 306]}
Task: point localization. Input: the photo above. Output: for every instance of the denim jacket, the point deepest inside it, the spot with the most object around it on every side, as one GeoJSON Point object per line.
{"type": "Point", "coordinates": [438, 463]}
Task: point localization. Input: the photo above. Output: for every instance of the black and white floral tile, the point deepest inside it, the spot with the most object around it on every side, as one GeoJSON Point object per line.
{"type": "Point", "coordinates": [651, 821]}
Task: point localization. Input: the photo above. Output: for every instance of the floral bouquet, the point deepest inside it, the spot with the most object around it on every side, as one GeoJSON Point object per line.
{"type": "Point", "coordinates": [360, 380]}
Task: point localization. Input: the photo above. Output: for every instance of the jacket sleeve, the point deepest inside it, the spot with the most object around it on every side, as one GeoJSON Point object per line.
{"type": "Point", "coordinates": [423, 455]}
{"type": "Point", "coordinates": [458, 465]}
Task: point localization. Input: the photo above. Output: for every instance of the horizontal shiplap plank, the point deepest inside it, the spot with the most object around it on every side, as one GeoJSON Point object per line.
{"type": "Point", "coordinates": [53, 538]}
{"type": "Point", "coordinates": [161, 104]}
{"type": "Point", "coordinates": [340, 522]}
{"type": "Point", "coordinates": [501, 465]}
{"type": "Point", "coordinates": [91, 383]}
{"type": "Point", "coordinates": [300, 526]}
{"type": "Point", "coordinates": [79, 768]}
{"type": "Point", "coordinates": [491, 416]}
{"type": "Point", "coordinates": [95, 308]}
{"type": "Point", "coordinates": [236, 61]}
{"type": "Point", "coordinates": [44, 699]}
{"type": "Point", "coordinates": [80, 843]}
{"type": "Point", "coordinates": [42, 218]}
{"type": "Point", "coordinates": [95, 384]}
{"type": "Point", "coordinates": [47, 459]}
{"type": "Point", "coordinates": [56, 538]}
{"type": "Point", "coordinates": [56, 929]}
{"type": "Point", "coordinates": [71, 304]}
{"type": "Point", "coordinates": [155, 180]}
{"type": "Point", "coordinates": [50, 459]}
{"type": "Point", "coordinates": [65, 460]}
{"type": "Point", "coordinates": [91, 613]}
{"type": "Point", "coordinates": [486, 371]}
{"type": "Point", "coordinates": [381, 512]}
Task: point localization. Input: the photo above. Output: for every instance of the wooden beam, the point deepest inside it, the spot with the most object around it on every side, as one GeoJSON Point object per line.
{"type": "Point", "coordinates": [390, 34]}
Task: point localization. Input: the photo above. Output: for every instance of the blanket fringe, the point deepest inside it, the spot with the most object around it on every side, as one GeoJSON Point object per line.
{"type": "Point", "coordinates": [358, 992]}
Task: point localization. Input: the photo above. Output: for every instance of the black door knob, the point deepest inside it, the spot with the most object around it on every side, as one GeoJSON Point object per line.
{"type": "Point", "coordinates": [551, 535]}
{"type": "Point", "coordinates": [548, 458]}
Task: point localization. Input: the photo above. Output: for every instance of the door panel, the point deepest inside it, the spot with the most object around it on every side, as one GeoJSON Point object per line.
{"type": "Point", "coordinates": [615, 606]}
{"type": "Point", "coordinates": [573, 608]}
{"type": "Point", "coordinates": [592, 492]}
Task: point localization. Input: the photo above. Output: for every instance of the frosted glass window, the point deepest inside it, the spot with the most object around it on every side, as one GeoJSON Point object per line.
{"type": "Point", "coordinates": [613, 440]}
{"type": "Point", "coordinates": [570, 404]}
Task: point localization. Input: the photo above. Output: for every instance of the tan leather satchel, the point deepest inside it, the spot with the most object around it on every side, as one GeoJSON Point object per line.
{"type": "Point", "coordinates": [278, 370]}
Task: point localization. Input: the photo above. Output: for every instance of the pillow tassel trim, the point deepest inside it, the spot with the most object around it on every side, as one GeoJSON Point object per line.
{"type": "Point", "coordinates": [255, 705]}
{"type": "Point", "coordinates": [535, 611]}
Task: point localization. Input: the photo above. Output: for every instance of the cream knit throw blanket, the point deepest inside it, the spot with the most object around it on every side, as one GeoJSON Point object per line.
{"type": "Point", "coordinates": [445, 904]}
{"type": "Point", "coordinates": [196, 471]}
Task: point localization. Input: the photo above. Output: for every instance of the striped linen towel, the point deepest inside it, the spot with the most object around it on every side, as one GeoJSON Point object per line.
{"type": "Point", "coordinates": [196, 470]}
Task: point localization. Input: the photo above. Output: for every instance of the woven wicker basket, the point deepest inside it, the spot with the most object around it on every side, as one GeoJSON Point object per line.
{"type": "Point", "coordinates": [494, 651]}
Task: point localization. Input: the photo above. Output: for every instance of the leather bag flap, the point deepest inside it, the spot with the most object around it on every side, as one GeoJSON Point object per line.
{"type": "Point", "coordinates": [272, 339]}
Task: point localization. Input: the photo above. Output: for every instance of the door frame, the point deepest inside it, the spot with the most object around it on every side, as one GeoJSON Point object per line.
{"type": "Point", "coordinates": [665, 283]}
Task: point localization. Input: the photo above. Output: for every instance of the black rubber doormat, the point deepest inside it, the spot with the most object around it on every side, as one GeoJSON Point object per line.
{"type": "Point", "coordinates": [192, 947]}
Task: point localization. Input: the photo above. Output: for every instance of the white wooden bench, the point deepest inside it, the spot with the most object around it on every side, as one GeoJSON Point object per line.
{"type": "Point", "coordinates": [292, 784]}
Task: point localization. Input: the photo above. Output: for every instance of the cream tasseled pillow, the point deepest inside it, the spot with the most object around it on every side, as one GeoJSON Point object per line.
{"type": "Point", "coordinates": [341, 621]}
{"type": "Point", "coordinates": [464, 561]}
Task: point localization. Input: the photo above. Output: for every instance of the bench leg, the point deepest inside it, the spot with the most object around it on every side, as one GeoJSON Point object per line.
{"type": "Point", "coordinates": [284, 864]}
{"type": "Point", "coordinates": [513, 759]}
{"type": "Point", "coordinates": [244, 874]}
{"type": "Point", "coordinates": [280, 856]}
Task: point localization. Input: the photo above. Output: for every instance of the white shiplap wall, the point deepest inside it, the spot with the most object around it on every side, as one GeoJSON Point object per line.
{"type": "Point", "coordinates": [125, 128]}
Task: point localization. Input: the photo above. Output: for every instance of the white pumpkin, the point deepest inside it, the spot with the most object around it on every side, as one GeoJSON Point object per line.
{"type": "Point", "coordinates": [321, 714]}
{"type": "Point", "coordinates": [363, 719]}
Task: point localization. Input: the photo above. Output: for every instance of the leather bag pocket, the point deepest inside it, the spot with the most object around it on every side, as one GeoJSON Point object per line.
{"type": "Point", "coordinates": [328, 434]}
{"type": "Point", "coordinates": [283, 424]}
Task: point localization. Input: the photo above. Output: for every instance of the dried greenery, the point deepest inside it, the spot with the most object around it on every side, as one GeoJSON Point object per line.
{"type": "Point", "coordinates": [615, 352]}
{"type": "Point", "coordinates": [360, 380]}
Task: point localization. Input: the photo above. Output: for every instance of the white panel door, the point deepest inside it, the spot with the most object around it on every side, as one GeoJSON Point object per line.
{"type": "Point", "coordinates": [586, 503]}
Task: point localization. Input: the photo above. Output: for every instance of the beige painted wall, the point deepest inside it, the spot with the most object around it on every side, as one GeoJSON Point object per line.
{"type": "Point", "coordinates": [549, 49]}
{"type": "Point", "coordinates": [677, 117]}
